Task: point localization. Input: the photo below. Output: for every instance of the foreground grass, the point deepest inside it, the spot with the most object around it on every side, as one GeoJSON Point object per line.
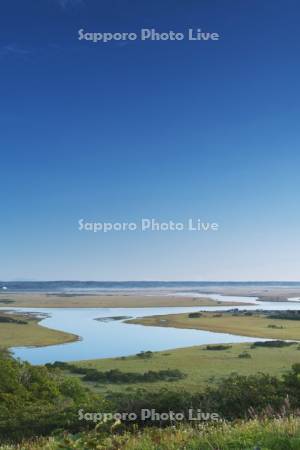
{"type": "Point", "coordinates": [268, 434]}
{"type": "Point", "coordinates": [31, 333]}
{"type": "Point", "coordinates": [200, 365]}
{"type": "Point", "coordinates": [256, 325]}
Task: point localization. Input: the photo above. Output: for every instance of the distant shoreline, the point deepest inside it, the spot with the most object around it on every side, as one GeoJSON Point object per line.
{"type": "Point", "coordinates": [43, 300]}
{"type": "Point", "coordinates": [132, 294]}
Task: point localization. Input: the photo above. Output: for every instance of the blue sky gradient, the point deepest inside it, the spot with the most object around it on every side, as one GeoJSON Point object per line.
{"type": "Point", "coordinates": [172, 130]}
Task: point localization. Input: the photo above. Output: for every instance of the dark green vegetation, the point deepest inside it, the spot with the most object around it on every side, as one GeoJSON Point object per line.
{"type": "Point", "coordinates": [285, 315]}
{"type": "Point", "coordinates": [36, 401]}
{"type": "Point", "coordinates": [108, 319]}
{"type": "Point", "coordinates": [245, 355]}
{"type": "Point", "coordinates": [195, 315]}
{"type": "Point", "coordinates": [116, 376]}
{"type": "Point", "coordinates": [7, 319]}
{"type": "Point", "coordinates": [234, 397]}
{"type": "Point", "coordinates": [201, 366]}
{"type": "Point", "coordinates": [272, 344]}
{"type": "Point", "coordinates": [218, 347]}
{"type": "Point", "coordinates": [255, 434]}
{"type": "Point", "coordinates": [145, 355]}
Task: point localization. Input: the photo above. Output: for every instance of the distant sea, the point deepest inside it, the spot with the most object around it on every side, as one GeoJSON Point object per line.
{"type": "Point", "coordinates": [104, 286]}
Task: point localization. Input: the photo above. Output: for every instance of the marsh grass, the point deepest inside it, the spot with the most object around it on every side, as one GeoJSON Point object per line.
{"type": "Point", "coordinates": [18, 330]}
{"type": "Point", "coordinates": [256, 325]}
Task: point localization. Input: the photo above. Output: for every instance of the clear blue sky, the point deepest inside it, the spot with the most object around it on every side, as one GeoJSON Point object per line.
{"type": "Point", "coordinates": [171, 130]}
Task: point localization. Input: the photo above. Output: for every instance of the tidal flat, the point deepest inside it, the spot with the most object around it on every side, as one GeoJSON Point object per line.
{"type": "Point", "coordinates": [118, 300]}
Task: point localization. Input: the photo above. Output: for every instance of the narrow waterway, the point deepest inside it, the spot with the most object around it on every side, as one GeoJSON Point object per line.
{"type": "Point", "coordinates": [112, 338]}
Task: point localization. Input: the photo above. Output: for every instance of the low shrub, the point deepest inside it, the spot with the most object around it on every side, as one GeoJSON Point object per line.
{"type": "Point", "coordinates": [272, 344]}
{"type": "Point", "coordinates": [145, 355]}
{"type": "Point", "coordinates": [245, 355]}
{"type": "Point", "coordinates": [218, 347]}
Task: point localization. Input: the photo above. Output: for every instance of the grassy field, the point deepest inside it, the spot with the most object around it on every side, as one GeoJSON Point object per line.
{"type": "Point", "coordinates": [268, 434]}
{"type": "Point", "coordinates": [256, 325]}
{"type": "Point", "coordinates": [201, 366]}
{"type": "Point", "coordinates": [39, 300]}
{"type": "Point", "coordinates": [16, 334]}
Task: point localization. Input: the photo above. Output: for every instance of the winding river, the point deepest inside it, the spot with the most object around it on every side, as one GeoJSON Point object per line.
{"type": "Point", "coordinates": [113, 338]}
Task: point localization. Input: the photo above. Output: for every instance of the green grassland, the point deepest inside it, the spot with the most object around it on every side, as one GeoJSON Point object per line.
{"type": "Point", "coordinates": [200, 365]}
{"type": "Point", "coordinates": [29, 333]}
{"type": "Point", "coordinates": [256, 325]}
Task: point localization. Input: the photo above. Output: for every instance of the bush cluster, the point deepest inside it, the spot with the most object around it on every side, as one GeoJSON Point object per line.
{"type": "Point", "coordinates": [117, 376]}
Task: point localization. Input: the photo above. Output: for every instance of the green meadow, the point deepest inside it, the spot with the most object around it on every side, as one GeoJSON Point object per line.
{"type": "Point", "coordinates": [18, 330]}
{"type": "Point", "coordinates": [201, 366]}
{"type": "Point", "coordinates": [254, 324]}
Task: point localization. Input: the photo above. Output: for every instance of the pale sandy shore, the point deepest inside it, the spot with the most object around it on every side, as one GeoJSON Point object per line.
{"type": "Point", "coordinates": [39, 300]}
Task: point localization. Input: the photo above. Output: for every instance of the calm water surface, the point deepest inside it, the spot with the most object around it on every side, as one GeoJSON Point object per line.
{"type": "Point", "coordinates": [104, 339]}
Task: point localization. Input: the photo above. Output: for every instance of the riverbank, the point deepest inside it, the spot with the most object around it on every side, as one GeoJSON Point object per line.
{"type": "Point", "coordinates": [21, 329]}
{"type": "Point", "coordinates": [255, 325]}
{"type": "Point", "coordinates": [121, 300]}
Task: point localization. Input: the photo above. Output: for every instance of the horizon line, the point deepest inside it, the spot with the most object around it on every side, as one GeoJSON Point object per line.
{"type": "Point", "coordinates": [147, 281]}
